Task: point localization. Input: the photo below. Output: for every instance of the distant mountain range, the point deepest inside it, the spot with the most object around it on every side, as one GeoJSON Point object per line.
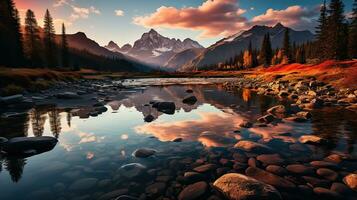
{"type": "Point", "coordinates": [155, 49]}
{"type": "Point", "coordinates": [230, 47]}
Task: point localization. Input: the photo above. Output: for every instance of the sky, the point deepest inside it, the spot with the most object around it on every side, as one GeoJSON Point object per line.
{"type": "Point", "coordinates": [206, 21]}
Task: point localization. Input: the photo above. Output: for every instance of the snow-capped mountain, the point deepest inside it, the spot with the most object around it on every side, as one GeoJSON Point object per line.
{"type": "Point", "coordinates": [156, 49]}
{"type": "Point", "coordinates": [231, 46]}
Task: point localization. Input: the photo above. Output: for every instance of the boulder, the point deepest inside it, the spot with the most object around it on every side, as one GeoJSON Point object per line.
{"type": "Point", "coordinates": [194, 191]}
{"type": "Point", "coordinates": [191, 100]}
{"type": "Point", "coordinates": [269, 178]}
{"type": "Point", "coordinates": [306, 115]}
{"type": "Point", "coordinates": [266, 118]}
{"type": "Point", "coordinates": [312, 139]}
{"type": "Point", "coordinates": [165, 107]}
{"type": "Point", "coordinates": [271, 159]}
{"type": "Point", "coordinates": [246, 124]}
{"type": "Point", "coordinates": [24, 145]}
{"type": "Point", "coordinates": [132, 170]}
{"type": "Point", "coordinates": [143, 153]}
{"type": "Point", "coordinates": [280, 109]}
{"type": "Point", "coordinates": [191, 177]}
{"type": "Point", "coordinates": [300, 169]}
{"type": "Point", "coordinates": [327, 174]}
{"type": "Point", "coordinates": [253, 147]}
{"type": "Point", "coordinates": [351, 181]}
{"type": "Point", "coordinates": [240, 187]}
{"type": "Point", "coordinates": [275, 169]}
{"type": "Point", "coordinates": [205, 168]}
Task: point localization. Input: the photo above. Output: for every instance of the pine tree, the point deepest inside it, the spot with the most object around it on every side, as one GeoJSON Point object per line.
{"type": "Point", "coordinates": [11, 48]}
{"type": "Point", "coordinates": [321, 32]}
{"type": "Point", "coordinates": [286, 47]}
{"type": "Point", "coordinates": [353, 32]}
{"type": "Point", "coordinates": [300, 55]}
{"type": "Point", "coordinates": [266, 51]}
{"type": "Point", "coordinates": [337, 31]}
{"type": "Point", "coordinates": [49, 40]}
{"type": "Point", "coordinates": [64, 48]}
{"type": "Point", "coordinates": [32, 39]}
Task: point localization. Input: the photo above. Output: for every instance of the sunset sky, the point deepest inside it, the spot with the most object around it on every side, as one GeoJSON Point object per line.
{"type": "Point", "coordinates": [124, 21]}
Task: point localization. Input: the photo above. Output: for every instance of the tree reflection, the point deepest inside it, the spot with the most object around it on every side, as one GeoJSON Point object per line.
{"type": "Point", "coordinates": [38, 119]}
{"type": "Point", "coordinates": [55, 121]}
{"type": "Point", "coordinates": [15, 167]}
{"type": "Point", "coordinates": [69, 118]}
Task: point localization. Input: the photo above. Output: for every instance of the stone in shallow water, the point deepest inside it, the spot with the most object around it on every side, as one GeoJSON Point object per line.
{"type": "Point", "coordinates": [323, 164]}
{"type": "Point", "coordinates": [279, 109]}
{"type": "Point", "coordinates": [194, 191]}
{"type": "Point", "coordinates": [191, 100]}
{"type": "Point", "coordinates": [269, 178]}
{"type": "Point", "coordinates": [126, 197]}
{"type": "Point", "coordinates": [351, 181]}
{"type": "Point", "coordinates": [340, 188]}
{"type": "Point", "coordinates": [324, 193]}
{"type": "Point", "coordinates": [83, 184]}
{"type": "Point", "coordinates": [155, 189]}
{"type": "Point", "coordinates": [113, 194]}
{"type": "Point", "coordinates": [143, 153]}
{"type": "Point", "coordinates": [20, 145]}
{"type": "Point", "coordinates": [316, 182]}
{"type": "Point", "coordinates": [327, 174]}
{"type": "Point", "coordinates": [191, 177]}
{"type": "Point", "coordinates": [205, 168]}
{"type": "Point", "coordinates": [271, 159]}
{"type": "Point", "coordinates": [253, 146]}
{"type": "Point", "coordinates": [240, 187]}
{"type": "Point", "coordinates": [300, 169]}
{"type": "Point", "coordinates": [312, 139]}
{"type": "Point", "coordinates": [149, 118]}
{"type": "Point", "coordinates": [275, 169]}
{"type": "Point", "coordinates": [132, 170]}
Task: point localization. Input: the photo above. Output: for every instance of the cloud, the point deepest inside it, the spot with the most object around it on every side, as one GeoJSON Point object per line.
{"type": "Point", "coordinates": [213, 17]}
{"type": "Point", "coordinates": [78, 12]}
{"type": "Point", "coordinates": [224, 17]}
{"type": "Point", "coordinates": [119, 12]}
{"type": "Point", "coordinates": [293, 16]}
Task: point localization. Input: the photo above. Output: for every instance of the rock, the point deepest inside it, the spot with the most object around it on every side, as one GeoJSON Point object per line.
{"type": "Point", "coordinates": [340, 188]}
{"type": "Point", "coordinates": [335, 158]}
{"type": "Point", "coordinates": [143, 153]}
{"type": "Point", "coordinates": [324, 193]}
{"type": "Point", "coordinates": [191, 100]}
{"type": "Point", "coordinates": [240, 187]}
{"type": "Point", "coordinates": [113, 194]}
{"type": "Point", "coordinates": [23, 145]}
{"type": "Point", "coordinates": [312, 139]}
{"type": "Point", "coordinates": [253, 162]}
{"type": "Point", "coordinates": [271, 159]}
{"type": "Point", "coordinates": [303, 114]}
{"type": "Point", "coordinates": [351, 181]}
{"type": "Point", "coordinates": [177, 140]}
{"type": "Point", "coordinates": [266, 119]}
{"type": "Point", "coordinates": [246, 124]}
{"type": "Point", "coordinates": [155, 189]}
{"type": "Point", "coordinates": [323, 164]}
{"type": "Point", "coordinates": [101, 109]}
{"type": "Point", "coordinates": [296, 119]}
{"type": "Point", "coordinates": [132, 170]}
{"type": "Point", "coordinates": [327, 174]}
{"type": "Point", "coordinates": [253, 146]}
{"type": "Point", "coordinates": [3, 140]}
{"type": "Point", "coordinates": [269, 178]}
{"type": "Point", "coordinates": [300, 169]}
{"type": "Point", "coordinates": [280, 109]}
{"type": "Point", "coordinates": [194, 191]}
{"type": "Point", "coordinates": [283, 94]}
{"type": "Point", "coordinates": [68, 95]}
{"type": "Point", "coordinates": [189, 91]}
{"type": "Point", "coordinates": [18, 98]}
{"type": "Point", "coordinates": [205, 168]}
{"type": "Point", "coordinates": [83, 184]}
{"type": "Point", "coordinates": [275, 169]}
{"type": "Point", "coordinates": [192, 177]}
{"type": "Point", "coordinates": [149, 118]}
{"type": "Point", "coordinates": [165, 107]}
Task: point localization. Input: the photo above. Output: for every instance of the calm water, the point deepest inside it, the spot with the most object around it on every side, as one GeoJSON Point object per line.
{"type": "Point", "coordinates": [87, 159]}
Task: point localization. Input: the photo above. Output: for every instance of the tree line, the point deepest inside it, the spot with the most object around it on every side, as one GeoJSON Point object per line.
{"type": "Point", "coordinates": [33, 46]}
{"type": "Point", "coordinates": [336, 38]}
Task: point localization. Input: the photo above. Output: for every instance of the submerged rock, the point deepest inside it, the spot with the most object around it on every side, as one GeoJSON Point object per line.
{"type": "Point", "coordinates": [253, 146]}
{"type": "Point", "coordinates": [83, 184]}
{"type": "Point", "coordinates": [68, 95]}
{"type": "Point", "coordinates": [190, 100]}
{"type": "Point", "coordinates": [269, 178]}
{"type": "Point", "coordinates": [312, 139]}
{"type": "Point", "coordinates": [194, 191]}
{"type": "Point", "coordinates": [18, 98]}
{"type": "Point", "coordinates": [240, 187]}
{"type": "Point", "coordinates": [149, 118]}
{"type": "Point", "coordinates": [24, 145]}
{"type": "Point", "coordinates": [132, 170]}
{"type": "Point", "coordinates": [165, 107]}
{"type": "Point", "coordinates": [351, 181]}
{"type": "Point", "coordinates": [143, 153]}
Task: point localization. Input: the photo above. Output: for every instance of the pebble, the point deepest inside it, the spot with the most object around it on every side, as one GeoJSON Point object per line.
{"type": "Point", "coordinates": [194, 191]}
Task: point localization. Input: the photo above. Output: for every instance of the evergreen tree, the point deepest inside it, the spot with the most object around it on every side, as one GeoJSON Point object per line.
{"type": "Point", "coordinates": [49, 40]}
{"type": "Point", "coordinates": [266, 52]}
{"type": "Point", "coordinates": [321, 33]}
{"type": "Point", "coordinates": [11, 48]}
{"type": "Point", "coordinates": [337, 31]}
{"type": "Point", "coordinates": [64, 48]}
{"type": "Point", "coordinates": [353, 32]}
{"type": "Point", "coordinates": [32, 39]}
{"type": "Point", "coordinates": [300, 55]}
{"type": "Point", "coordinates": [286, 47]}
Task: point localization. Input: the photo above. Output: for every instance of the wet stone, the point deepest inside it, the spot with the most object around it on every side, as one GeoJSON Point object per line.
{"type": "Point", "coordinates": [300, 169]}
{"type": "Point", "coordinates": [194, 191]}
{"type": "Point", "coordinates": [132, 170]}
{"type": "Point", "coordinates": [326, 193]}
{"type": "Point", "coordinates": [275, 169]}
{"type": "Point", "coordinates": [83, 184]}
{"type": "Point", "coordinates": [269, 178]}
{"type": "Point", "coordinates": [271, 159]}
{"type": "Point", "coordinates": [126, 197]}
{"type": "Point", "coordinates": [351, 181]}
{"type": "Point", "coordinates": [327, 174]}
{"type": "Point", "coordinates": [113, 194]}
{"type": "Point", "coordinates": [143, 153]}
{"type": "Point", "coordinates": [155, 188]}
{"type": "Point", "coordinates": [312, 139]}
{"type": "Point", "coordinates": [316, 182]}
{"type": "Point", "coordinates": [253, 147]}
{"type": "Point", "coordinates": [205, 168]}
{"type": "Point", "coordinates": [323, 164]}
{"type": "Point", "coordinates": [340, 188]}
{"type": "Point", "coordinates": [240, 187]}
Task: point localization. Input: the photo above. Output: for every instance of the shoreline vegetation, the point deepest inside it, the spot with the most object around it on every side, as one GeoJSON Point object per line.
{"type": "Point", "coordinates": [340, 74]}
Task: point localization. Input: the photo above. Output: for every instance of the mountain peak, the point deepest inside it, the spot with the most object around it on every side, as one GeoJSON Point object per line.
{"type": "Point", "coordinates": [279, 25]}
{"type": "Point", "coordinates": [152, 31]}
{"type": "Point", "coordinates": [81, 34]}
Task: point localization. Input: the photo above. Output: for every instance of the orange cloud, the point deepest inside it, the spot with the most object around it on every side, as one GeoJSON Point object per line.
{"type": "Point", "coordinates": [213, 17]}
{"type": "Point", "coordinates": [224, 18]}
